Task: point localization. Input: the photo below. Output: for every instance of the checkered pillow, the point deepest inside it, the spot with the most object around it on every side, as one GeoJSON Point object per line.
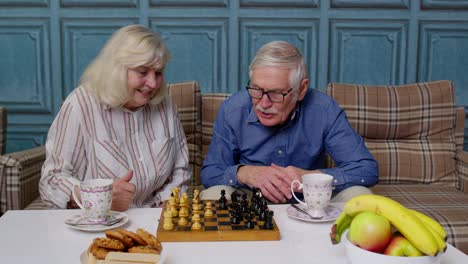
{"type": "Point", "coordinates": [211, 104]}
{"type": "Point", "coordinates": [410, 129]}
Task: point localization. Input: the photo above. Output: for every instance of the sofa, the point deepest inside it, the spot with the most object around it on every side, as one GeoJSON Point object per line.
{"type": "Point", "coordinates": [415, 132]}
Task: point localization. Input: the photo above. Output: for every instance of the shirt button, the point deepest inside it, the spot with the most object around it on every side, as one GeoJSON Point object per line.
{"type": "Point", "coordinates": [141, 159]}
{"type": "Point", "coordinates": [230, 181]}
{"type": "Point", "coordinates": [335, 181]}
{"type": "Point", "coordinates": [362, 180]}
{"type": "Point", "coordinates": [280, 152]}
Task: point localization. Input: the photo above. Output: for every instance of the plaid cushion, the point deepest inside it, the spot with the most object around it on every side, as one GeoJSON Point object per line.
{"type": "Point", "coordinates": [19, 178]}
{"type": "Point", "coordinates": [462, 170]}
{"type": "Point", "coordinates": [37, 204]}
{"type": "Point", "coordinates": [211, 104]}
{"type": "Point", "coordinates": [3, 124]}
{"type": "Point", "coordinates": [460, 127]}
{"type": "Point", "coordinates": [188, 100]}
{"type": "Point", "coordinates": [410, 129]}
{"type": "Point", "coordinates": [445, 204]}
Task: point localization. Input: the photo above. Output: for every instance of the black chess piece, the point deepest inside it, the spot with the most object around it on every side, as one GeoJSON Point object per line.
{"type": "Point", "coordinates": [223, 201]}
{"type": "Point", "coordinates": [268, 220]}
{"type": "Point", "coordinates": [236, 216]}
{"type": "Point", "coordinates": [249, 223]}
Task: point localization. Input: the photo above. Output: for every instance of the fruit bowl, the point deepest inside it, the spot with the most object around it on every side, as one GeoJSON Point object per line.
{"type": "Point", "coordinates": [357, 255]}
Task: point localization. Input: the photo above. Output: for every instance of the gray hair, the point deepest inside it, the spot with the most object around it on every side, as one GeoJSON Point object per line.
{"type": "Point", "coordinates": [129, 47]}
{"type": "Point", "coordinates": [281, 54]}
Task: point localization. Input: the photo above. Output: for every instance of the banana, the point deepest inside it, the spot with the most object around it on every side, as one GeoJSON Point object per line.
{"type": "Point", "coordinates": [341, 224]}
{"type": "Point", "coordinates": [428, 221]}
{"type": "Point", "coordinates": [440, 241]}
{"type": "Point", "coordinates": [399, 216]}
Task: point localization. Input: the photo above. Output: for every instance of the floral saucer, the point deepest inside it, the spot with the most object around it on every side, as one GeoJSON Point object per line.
{"type": "Point", "coordinates": [331, 213]}
{"type": "Point", "coordinates": [77, 221]}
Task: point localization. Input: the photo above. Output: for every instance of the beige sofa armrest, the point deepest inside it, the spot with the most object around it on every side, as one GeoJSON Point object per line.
{"type": "Point", "coordinates": [20, 173]}
{"type": "Point", "coordinates": [462, 170]}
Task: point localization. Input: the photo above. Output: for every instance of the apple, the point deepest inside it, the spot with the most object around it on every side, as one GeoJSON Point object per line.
{"type": "Point", "coordinates": [370, 231]}
{"type": "Point", "coordinates": [400, 246]}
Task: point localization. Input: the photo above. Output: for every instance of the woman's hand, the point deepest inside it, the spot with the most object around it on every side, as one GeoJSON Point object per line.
{"type": "Point", "coordinates": [123, 192]}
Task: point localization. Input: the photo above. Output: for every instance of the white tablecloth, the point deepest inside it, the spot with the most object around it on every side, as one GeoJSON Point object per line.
{"type": "Point", "coordinates": [42, 237]}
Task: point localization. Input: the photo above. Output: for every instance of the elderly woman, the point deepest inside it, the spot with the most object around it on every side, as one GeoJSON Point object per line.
{"type": "Point", "coordinates": [119, 124]}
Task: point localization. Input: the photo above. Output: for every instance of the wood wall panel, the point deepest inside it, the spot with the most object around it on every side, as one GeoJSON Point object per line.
{"type": "Point", "coordinates": [370, 3]}
{"type": "Point", "coordinates": [198, 48]}
{"type": "Point", "coordinates": [24, 3]}
{"type": "Point", "coordinates": [254, 33]}
{"type": "Point", "coordinates": [444, 54]}
{"type": "Point", "coordinates": [25, 74]}
{"type": "Point", "coordinates": [82, 41]}
{"type": "Point", "coordinates": [359, 48]}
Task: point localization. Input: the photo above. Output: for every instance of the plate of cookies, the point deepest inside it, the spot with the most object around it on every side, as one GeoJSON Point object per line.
{"type": "Point", "coordinates": [121, 245]}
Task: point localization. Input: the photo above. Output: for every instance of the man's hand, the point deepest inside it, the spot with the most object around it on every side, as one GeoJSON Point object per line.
{"type": "Point", "coordinates": [123, 192]}
{"type": "Point", "coordinates": [268, 179]}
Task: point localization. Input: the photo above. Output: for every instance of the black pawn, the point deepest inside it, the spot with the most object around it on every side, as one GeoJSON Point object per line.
{"type": "Point", "coordinates": [249, 224]}
{"type": "Point", "coordinates": [223, 201]}
{"type": "Point", "coordinates": [268, 220]}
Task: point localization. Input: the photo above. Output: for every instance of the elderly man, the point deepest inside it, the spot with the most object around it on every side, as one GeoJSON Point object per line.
{"type": "Point", "coordinates": [277, 130]}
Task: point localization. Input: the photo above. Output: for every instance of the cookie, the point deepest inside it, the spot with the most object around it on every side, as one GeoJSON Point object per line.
{"type": "Point", "coordinates": [98, 252]}
{"type": "Point", "coordinates": [114, 234]}
{"type": "Point", "coordinates": [143, 249]}
{"type": "Point", "coordinates": [149, 239]}
{"type": "Point", "coordinates": [136, 238]}
{"type": "Point", "coordinates": [109, 243]}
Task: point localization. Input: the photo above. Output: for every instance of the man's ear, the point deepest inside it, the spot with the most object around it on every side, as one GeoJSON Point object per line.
{"type": "Point", "coordinates": [303, 87]}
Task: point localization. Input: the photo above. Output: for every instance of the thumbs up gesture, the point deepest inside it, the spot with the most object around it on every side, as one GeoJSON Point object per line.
{"type": "Point", "coordinates": [123, 192]}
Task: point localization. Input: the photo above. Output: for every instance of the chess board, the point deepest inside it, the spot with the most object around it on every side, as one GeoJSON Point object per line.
{"type": "Point", "coordinates": [216, 228]}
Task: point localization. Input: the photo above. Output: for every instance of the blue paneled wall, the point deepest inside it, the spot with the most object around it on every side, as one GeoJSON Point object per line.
{"type": "Point", "coordinates": [46, 44]}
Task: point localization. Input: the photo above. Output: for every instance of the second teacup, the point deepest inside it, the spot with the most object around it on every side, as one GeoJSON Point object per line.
{"type": "Point", "coordinates": [317, 189]}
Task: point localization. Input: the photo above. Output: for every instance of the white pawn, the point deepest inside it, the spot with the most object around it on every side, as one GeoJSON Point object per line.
{"type": "Point", "coordinates": [168, 224]}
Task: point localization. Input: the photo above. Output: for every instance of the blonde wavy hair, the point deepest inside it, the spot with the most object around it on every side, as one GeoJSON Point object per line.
{"type": "Point", "coordinates": [129, 47]}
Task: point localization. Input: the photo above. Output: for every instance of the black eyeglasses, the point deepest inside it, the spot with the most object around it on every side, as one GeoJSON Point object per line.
{"type": "Point", "coordinates": [272, 96]}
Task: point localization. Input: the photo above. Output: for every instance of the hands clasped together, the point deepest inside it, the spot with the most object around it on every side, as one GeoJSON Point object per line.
{"type": "Point", "coordinates": [274, 181]}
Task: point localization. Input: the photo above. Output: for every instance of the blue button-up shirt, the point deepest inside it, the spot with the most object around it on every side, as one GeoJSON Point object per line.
{"type": "Point", "coordinates": [317, 126]}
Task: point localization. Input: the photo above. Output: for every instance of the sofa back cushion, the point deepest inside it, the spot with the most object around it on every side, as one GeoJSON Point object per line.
{"type": "Point", "coordinates": [409, 129]}
{"type": "Point", "coordinates": [211, 103]}
{"type": "Point", "coordinates": [188, 100]}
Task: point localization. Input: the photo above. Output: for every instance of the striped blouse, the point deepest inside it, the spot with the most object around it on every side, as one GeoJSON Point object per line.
{"type": "Point", "coordinates": [89, 140]}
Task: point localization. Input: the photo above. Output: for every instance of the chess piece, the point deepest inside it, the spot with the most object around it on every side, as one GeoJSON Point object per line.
{"type": "Point", "coordinates": [249, 223]}
{"type": "Point", "coordinates": [172, 201]}
{"type": "Point", "coordinates": [208, 213]}
{"type": "Point", "coordinates": [196, 222]}
{"type": "Point", "coordinates": [174, 211]}
{"type": "Point", "coordinates": [182, 221]}
{"type": "Point", "coordinates": [175, 192]}
{"type": "Point", "coordinates": [196, 197]}
{"type": "Point", "coordinates": [268, 220]}
{"type": "Point", "coordinates": [168, 224]}
{"type": "Point", "coordinates": [183, 212]}
{"type": "Point", "coordinates": [223, 201]}
{"type": "Point", "coordinates": [183, 202]}
{"type": "Point", "coordinates": [208, 205]}
{"type": "Point", "coordinates": [197, 208]}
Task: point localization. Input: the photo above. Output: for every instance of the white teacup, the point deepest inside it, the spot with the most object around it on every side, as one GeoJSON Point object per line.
{"type": "Point", "coordinates": [317, 189]}
{"type": "Point", "coordinates": [95, 198]}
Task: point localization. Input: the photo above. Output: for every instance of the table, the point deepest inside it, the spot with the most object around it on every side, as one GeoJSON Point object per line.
{"type": "Point", "coordinates": [40, 236]}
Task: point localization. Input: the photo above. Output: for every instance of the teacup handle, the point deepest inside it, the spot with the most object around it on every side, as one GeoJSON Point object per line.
{"type": "Point", "coordinates": [75, 196]}
{"type": "Point", "coordinates": [292, 191]}
{"type": "Point", "coordinates": [75, 183]}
